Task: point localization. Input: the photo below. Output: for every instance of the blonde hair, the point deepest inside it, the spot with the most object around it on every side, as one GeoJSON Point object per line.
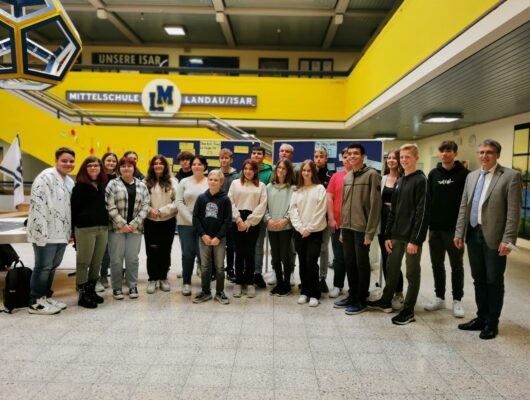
{"type": "Point", "coordinates": [410, 147]}
{"type": "Point", "coordinates": [321, 150]}
{"type": "Point", "coordinates": [225, 152]}
{"type": "Point", "coordinates": [219, 174]}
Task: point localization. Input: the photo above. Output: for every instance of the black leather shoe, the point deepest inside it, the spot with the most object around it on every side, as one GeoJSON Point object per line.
{"type": "Point", "coordinates": [473, 325]}
{"type": "Point", "coordinates": [489, 332]}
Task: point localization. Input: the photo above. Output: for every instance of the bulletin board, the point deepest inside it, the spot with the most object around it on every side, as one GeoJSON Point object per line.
{"type": "Point", "coordinates": [304, 149]}
{"type": "Point", "coordinates": [210, 149]}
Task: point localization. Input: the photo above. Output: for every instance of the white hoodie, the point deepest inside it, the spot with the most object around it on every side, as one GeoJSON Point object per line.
{"type": "Point", "coordinates": [50, 219]}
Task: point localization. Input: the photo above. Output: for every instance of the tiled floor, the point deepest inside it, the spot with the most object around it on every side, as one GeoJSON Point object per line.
{"type": "Point", "coordinates": [163, 346]}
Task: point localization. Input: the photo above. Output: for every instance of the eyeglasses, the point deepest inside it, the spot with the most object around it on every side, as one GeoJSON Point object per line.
{"type": "Point", "coordinates": [92, 166]}
{"type": "Point", "coordinates": [486, 153]}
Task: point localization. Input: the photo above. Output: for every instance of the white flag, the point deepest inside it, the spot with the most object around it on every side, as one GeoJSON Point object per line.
{"type": "Point", "coordinates": [12, 167]}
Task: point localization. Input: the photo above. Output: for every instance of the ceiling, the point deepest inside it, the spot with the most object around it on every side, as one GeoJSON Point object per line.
{"type": "Point", "coordinates": [334, 25]}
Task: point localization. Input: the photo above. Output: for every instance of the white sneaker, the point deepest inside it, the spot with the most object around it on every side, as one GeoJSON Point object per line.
{"type": "Point", "coordinates": [151, 287]}
{"type": "Point", "coordinates": [272, 279]}
{"type": "Point", "coordinates": [435, 304]}
{"type": "Point", "coordinates": [397, 302]}
{"type": "Point", "coordinates": [42, 307]}
{"type": "Point", "coordinates": [186, 290]}
{"type": "Point", "coordinates": [313, 302]}
{"type": "Point", "coordinates": [99, 287]}
{"type": "Point", "coordinates": [56, 303]}
{"type": "Point", "coordinates": [237, 291]}
{"type": "Point", "coordinates": [164, 285]}
{"type": "Point", "coordinates": [302, 299]}
{"type": "Point", "coordinates": [335, 292]}
{"type": "Point", "coordinates": [458, 309]}
{"type": "Point", "coordinates": [251, 291]}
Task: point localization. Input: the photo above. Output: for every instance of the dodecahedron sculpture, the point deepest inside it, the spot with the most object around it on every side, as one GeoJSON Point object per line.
{"type": "Point", "coordinates": [27, 60]}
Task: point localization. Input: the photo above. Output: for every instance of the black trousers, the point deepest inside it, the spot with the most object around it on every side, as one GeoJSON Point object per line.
{"type": "Point", "coordinates": [439, 243]}
{"type": "Point", "coordinates": [245, 251]}
{"type": "Point", "coordinates": [308, 250]}
{"type": "Point", "coordinates": [357, 262]}
{"type": "Point", "coordinates": [384, 255]}
{"type": "Point", "coordinates": [281, 254]}
{"type": "Point", "coordinates": [158, 236]}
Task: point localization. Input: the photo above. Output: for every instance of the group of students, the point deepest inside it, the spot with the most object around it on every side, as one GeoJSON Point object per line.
{"type": "Point", "coordinates": [226, 214]}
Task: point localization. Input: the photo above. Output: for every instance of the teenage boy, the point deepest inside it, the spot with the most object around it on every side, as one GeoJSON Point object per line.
{"type": "Point", "coordinates": [265, 173]}
{"type": "Point", "coordinates": [334, 203]}
{"type": "Point", "coordinates": [360, 214]}
{"type": "Point", "coordinates": [320, 157]}
{"type": "Point", "coordinates": [405, 232]}
{"type": "Point", "coordinates": [226, 159]}
{"type": "Point", "coordinates": [446, 185]}
{"type": "Point", "coordinates": [184, 158]}
{"type": "Point", "coordinates": [49, 229]}
{"type": "Point", "coordinates": [212, 217]}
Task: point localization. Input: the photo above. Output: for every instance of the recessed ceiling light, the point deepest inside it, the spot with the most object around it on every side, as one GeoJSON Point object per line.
{"type": "Point", "coordinates": [197, 61]}
{"type": "Point", "coordinates": [101, 13]}
{"type": "Point", "coordinates": [175, 30]}
{"type": "Point", "coordinates": [441, 118]}
{"type": "Point", "coordinates": [385, 136]}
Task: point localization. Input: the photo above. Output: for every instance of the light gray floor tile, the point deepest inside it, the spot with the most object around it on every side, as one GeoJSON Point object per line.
{"type": "Point", "coordinates": [249, 378]}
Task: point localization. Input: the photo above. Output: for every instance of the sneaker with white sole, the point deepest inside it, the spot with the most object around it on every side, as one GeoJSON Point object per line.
{"type": "Point", "coordinates": [117, 294]}
{"type": "Point", "coordinates": [403, 318]}
{"type": "Point", "coordinates": [458, 309]}
{"type": "Point", "coordinates": [133, 293]}
{"type": "Point", "coordinates": [302, 299]}
{"type": "Point", "coordinates": [43, 307]}
{"type": "Point", "coordinates": [202, 297]}
{"type": "Point", "coordinates": [221, 298]}
{"type": "Point", "coordinates": [237, 291]}
{"type": "Point", "coordinates": [186, 290]}
{"type": "Point", "coordinates": [313, 302]}
{"type": "Point", "coordinates": [56, 303]}
{"type": "Point", "coordinates": [397, 302]}
{"type": "Point", "coordinates": [335, 292]}
{"type": "Point", "coordinates": [251, 291]}
{"type": "Point", "coordinates": [435, 304]}
{"type": "Point", "coordinates": [99, 287]}
{"type": "Point", "coordinates": [164, 285]}
{"type": "Point", "coordinates": [151, 287]}
{"type": "Point", "coordinates": [271, 280]}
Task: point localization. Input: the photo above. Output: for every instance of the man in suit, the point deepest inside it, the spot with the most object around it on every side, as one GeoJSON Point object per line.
{"type": "Point", "coordinates": [488, 221]}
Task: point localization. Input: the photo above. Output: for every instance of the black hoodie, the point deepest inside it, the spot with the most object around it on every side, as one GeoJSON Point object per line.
{"type": "Point", "coordinates": [445, 190]}
{"type": "Point", "coordinates": [409, 215]}
{"type": "Point", "coordinates": [212, 215]}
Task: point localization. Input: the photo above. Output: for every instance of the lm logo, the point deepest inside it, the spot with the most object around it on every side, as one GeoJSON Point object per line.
{"type": "Point", "coordinates": [161, 98]}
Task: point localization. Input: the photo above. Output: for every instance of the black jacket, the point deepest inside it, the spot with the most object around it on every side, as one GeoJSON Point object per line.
{"type": "Point", "coordinates": [181, 174]}
{"type": "Point", "coordinates": [445, 191]}
{"type": "Point", "coordinates": [324, 176]}
{"type": "Point", "coordinates": [212, 215]}
{"type": "Point", "coordinates": [88, 206]}
{"type": "Point", "coordinates": [409, 214]}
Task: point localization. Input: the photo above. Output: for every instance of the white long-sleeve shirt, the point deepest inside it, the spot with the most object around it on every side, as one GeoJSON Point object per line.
{"type": "Point", "coordinates": [248, 197]}
{"type": "Point", "coordinates": [187, 192]}
{"type": "Point", "coordinates": [308, 207]}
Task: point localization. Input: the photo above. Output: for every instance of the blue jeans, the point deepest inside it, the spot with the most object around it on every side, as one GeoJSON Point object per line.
{"type": "Point", "coordinates": [487, 269]}
{"type": "Point", "coordinates": [259, 247]}
{"type": "Point", "coordinates": [47, 259]}
{"type": "Point", "coordinates": [124, 246]}
{"type": "Point", "coordinates": [338, 260]}
{"type": "Point", "coordinates": [189, 243]}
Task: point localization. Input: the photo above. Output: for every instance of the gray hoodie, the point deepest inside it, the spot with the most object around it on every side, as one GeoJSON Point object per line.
{"type": "Point", "coordinates": [278, 200]}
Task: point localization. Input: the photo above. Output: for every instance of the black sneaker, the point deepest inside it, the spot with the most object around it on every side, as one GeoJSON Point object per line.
{"type": "Point", "coordinates": [379, 305]}
{"type": "Point", "coordinates": [346, 302]}
{"type": "Point", "coordinates": [274, 291]}
{"type": "Point", "coordinates": [117, 294]}
{"type": "Point", "coordinates": [221, 298]}
{"type": "Point", "coordinates": [202, 297]}
{"type": "Point", "coordinates": [403, 318]}
{"type": "Point", "coordinates": [259, 282]}
{"type": "Point", "coordinates": [133, 293]}
{"type": "Point", "coordinates": [323, 286]}
{"type": "Point", "coordinates": [284, 292]}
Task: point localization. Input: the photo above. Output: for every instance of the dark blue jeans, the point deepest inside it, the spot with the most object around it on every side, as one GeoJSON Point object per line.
{"type": "Point", "coordinates": [487, 270]}
{"type": "Point", "coordinates": [357, 263]}
{"type": "Point", "coordinates": [189, 244]}
{"type": "Point", "coordinates": [47, 259]}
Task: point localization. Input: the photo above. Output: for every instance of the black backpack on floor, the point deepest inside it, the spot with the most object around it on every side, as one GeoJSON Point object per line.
{"type": "Point", "coordinates": [16, 290]}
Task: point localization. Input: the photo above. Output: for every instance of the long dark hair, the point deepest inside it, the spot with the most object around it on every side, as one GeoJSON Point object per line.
{"type": "Point", "coordinates": [254, 167]}
{"type": "Point", "coordinates": [314, 173]}
{"type": "Point", "coordinates": [290, 178]}
{"type": "Point", "coordinates": [83, 177]}
{"type": "Point", "coordinates": [165, 179]}
{"type": "Point", "coordinates": [400, 168]}
{"type": "Point", "coordinates": [107, 155]}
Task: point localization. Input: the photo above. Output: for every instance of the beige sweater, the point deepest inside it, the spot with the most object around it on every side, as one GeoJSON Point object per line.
{"type": "Point", "coordinates": [248, 197]}
{"type": "Point", "coordinates": [164, 201]}
{"type": "Point", "coordinates": [308, 209]}
{"type": "Point", "coordinates": [187, 192]}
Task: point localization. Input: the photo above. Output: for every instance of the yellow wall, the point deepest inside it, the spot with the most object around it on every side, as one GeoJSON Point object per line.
{"type": "Point", "coordinates": [418, 29]}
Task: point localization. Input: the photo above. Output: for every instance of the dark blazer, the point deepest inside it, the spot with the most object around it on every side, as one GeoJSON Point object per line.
{"type": "Point", "coordinates": [501, 208]}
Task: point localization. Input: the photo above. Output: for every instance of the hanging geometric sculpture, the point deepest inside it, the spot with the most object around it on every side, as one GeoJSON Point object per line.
{"type": "Point", "coordinates": [27, 59]}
